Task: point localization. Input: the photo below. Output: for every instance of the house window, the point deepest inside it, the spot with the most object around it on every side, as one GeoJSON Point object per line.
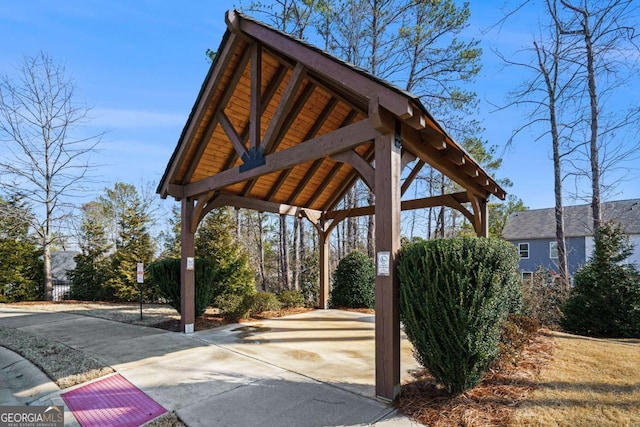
{"type": "Point", "coordinates": [523, 250]}
{"type": "Point", "coordinates": [553, 250]}
{"type": "Point", "coordinates": [527, 276]}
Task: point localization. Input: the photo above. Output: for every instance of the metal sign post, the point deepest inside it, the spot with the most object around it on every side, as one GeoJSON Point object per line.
{"type": "Point", "coordinates": [140, 280]}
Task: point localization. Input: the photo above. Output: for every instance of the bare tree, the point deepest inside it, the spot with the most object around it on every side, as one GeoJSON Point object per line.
{"type": "Point", "coordinates": [548, 65]}
{"type": "Point", "coordinates": [46, 156]}
{"type": "Point", "coordinates": [602, 36]}
{"type": "Point", "coordinates": [547, 94]}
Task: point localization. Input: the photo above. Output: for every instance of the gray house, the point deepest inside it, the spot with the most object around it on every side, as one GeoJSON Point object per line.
{"type": "Point", "coordinates": [533, 233]}
{"type": "Point", "coordinates": [62, 263]}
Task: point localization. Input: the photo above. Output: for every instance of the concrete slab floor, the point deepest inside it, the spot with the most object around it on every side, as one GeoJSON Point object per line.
{"type": "Point", "coordinates": [332, 346]}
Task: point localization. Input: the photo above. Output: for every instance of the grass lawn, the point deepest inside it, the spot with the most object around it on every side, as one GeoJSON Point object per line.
{"type": "Point", "coordinates": [588, 383]}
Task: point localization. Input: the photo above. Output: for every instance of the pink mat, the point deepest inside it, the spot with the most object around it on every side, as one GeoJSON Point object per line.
{"type": "Point", "coordinates": [111, 401]}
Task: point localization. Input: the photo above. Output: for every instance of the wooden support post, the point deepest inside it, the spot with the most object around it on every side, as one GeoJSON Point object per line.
{"type": "Point", "coordinates": [388, 161]}
{"type": "Point", "coordinates": [481, 215]}
{"type": "Point", "coordinates": [484, 221]}
{"type": "Point", "coordinates": [187, 266]}
{"type": "Point", "coordinates": [324, 267]}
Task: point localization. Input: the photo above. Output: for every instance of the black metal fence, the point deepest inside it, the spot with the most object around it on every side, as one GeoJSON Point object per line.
{"type": "Point", "coordinates": [61, 289]}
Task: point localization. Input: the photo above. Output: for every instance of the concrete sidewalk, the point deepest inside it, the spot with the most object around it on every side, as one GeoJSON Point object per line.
{"type": "Point", "coordinates": [311, 369]}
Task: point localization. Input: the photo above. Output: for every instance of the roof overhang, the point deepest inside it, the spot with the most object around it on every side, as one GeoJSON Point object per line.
{"type": "Point", "coordinates": [281, 122]}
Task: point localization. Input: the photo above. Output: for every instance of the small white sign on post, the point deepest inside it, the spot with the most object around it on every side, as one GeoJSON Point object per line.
{"type": "Point", "coordinates": [384, 260]}
{"type": "Point", "coordinates": [190, 263]}
{"type": "Point", "coordinates": [140, 273]}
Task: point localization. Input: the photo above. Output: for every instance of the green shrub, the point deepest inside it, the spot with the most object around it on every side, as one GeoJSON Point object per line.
{"type": "Point", "coordinates": [290, 298]}
{"type": "Point", "coordinates": [264, 301]}
{"type": "Point", "coordinates": [165, 276]}
{"type": "Point", "coordinates": [353, 282]}
{"type": "Point", "coordinates": [605, 299]}
{"type": "Point", "coordinates": [455, 295]}
{"type": "Point", "coordinates": [310, 280]}
{"type": "Point", "coordinates": [234, 307]}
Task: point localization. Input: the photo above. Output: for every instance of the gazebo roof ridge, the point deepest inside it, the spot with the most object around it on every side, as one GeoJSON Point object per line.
{"type": "Point", "coordinates": [419, 122]}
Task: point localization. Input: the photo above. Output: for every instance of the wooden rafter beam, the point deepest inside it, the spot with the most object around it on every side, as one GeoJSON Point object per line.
{"type": "Point", "coordinates": [412, 141]}
{"type": "Point", "coordinates": [363, 167]}
{"type": "Point", "coordinates": [216, 72]}
{"type": "Point", "coordinates": [453, 201]}
{"type": "Point", "coordinates": [327, 179]}
{"type": "Point", "coordinates": [233, 136]}
{"type": "Point", "coordinates": [284, 108]}
{"type": "Point", "coordinates": [407, 157]}
{"type": "Point", "coordinates": [352, 104]}
{"type": "Point", "coordinates": [270, 90]}
{"type": "Point", "coordinates": [325, 145]}
{"type": "Point", "coordinates": [298, 104]}
{"type": "Point", "coordinates": [291, 117]}
{"type": "Point", "coordinates": [262, 205]}
{"type": "Point", "coordinates": [222, 103]}
{"type": "Point", "coordinates": [255, 109]}
{"type": "Point", "coordinates": [346, 77]}
{"type": "Point", "coordinates": [336, 220]}
{"type": "Point", "coordinates": [412, 176]}
{"type": "Point", "coordinates": [313, 131]}
{"type": "Point", "coordinates": [199, 209]}
{"type": "Point", "coordinates": [308, 176]}
{"type": "Point", "coordinates": [276, 186]}
{"type": "Point", "coordinates": [346, 185]}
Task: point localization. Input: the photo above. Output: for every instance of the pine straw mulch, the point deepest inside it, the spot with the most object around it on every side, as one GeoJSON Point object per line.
{"type": "Point", "coordinates": [491, 403]}
{"type": "Point", "coordinates": [210, 320]}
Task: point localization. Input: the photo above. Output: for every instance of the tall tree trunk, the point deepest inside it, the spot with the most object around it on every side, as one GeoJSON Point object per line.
{"type": "Point", "coordinates": [593, 142]}
{"type": "Point", "coordinates": [284, 252]}
{"type": "Point", "coordinates": [550, 76]}
{"type": "Point", "coordinates": [48, 278]}
{"type": "Point", "coordinates": [371, 226]}
{"type": "Point", "coordinates": [351, 222]}
{"type": "Point", "coordinates": [559, 210]}
{"type": "Point", "coordinates": [296, 254]}
{"type": "Point", "coordinates": [238, 231]}
{"type": "Point", "coordinates": [303, 245]}
{"type": "Point", "coordinates": [261, 268]}
{"type": "Point", "coordinates": [441, 215]}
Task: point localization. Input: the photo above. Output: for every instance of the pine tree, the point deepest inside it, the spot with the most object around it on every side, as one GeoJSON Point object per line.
{"type": "Point", "coordinates": [605, 300]}
{"type": "Point", "coordinates": [132, 240]}
{"type": "Point", "coordinates": [215, 240]}
{"type": "Point", "coordinates": [92, 272]}
{"type": "Point", "coordinates": [21, 277]}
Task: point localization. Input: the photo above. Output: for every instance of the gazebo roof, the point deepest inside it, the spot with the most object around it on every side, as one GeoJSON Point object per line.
{"type": "Point", "coordinates": [265, 94]}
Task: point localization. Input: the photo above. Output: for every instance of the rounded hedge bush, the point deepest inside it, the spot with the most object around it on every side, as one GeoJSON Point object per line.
{"type": "Point", "coordinates": [455, 295]}
{"type": "Point", "coordinates": [290, 298]}
{"type": "Point", "coordinates": [353, 282]}
{"type": "Point", "coordinates": [234, 307]}
{"type": "Point", "coordinates": [165, 276]}
{"type": "Point", "coordinates": [264, 301]}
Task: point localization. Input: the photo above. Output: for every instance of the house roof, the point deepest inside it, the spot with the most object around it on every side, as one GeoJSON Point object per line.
{"type": "Point", "coordinates": [62, 262]}
{"type": "Point", "coordinates": [540, 223]}
{"type": "Point", "coordinates": [302, 140]}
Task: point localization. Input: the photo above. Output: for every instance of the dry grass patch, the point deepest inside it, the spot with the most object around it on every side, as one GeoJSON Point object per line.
{"type": "Point", "coordinates": [65, 366]}
{"type": "Point", "coordinates": [161, 316]}
{"type": "Point", "coordinates": [589, 383]}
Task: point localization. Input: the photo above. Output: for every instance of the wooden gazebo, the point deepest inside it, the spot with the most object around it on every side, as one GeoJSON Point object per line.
{"type": "Point", "coordinates": [281, 126]}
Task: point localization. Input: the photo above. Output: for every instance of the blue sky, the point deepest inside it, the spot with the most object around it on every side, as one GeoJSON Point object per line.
{"type": "Point", "coordinates": [140, 65]}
